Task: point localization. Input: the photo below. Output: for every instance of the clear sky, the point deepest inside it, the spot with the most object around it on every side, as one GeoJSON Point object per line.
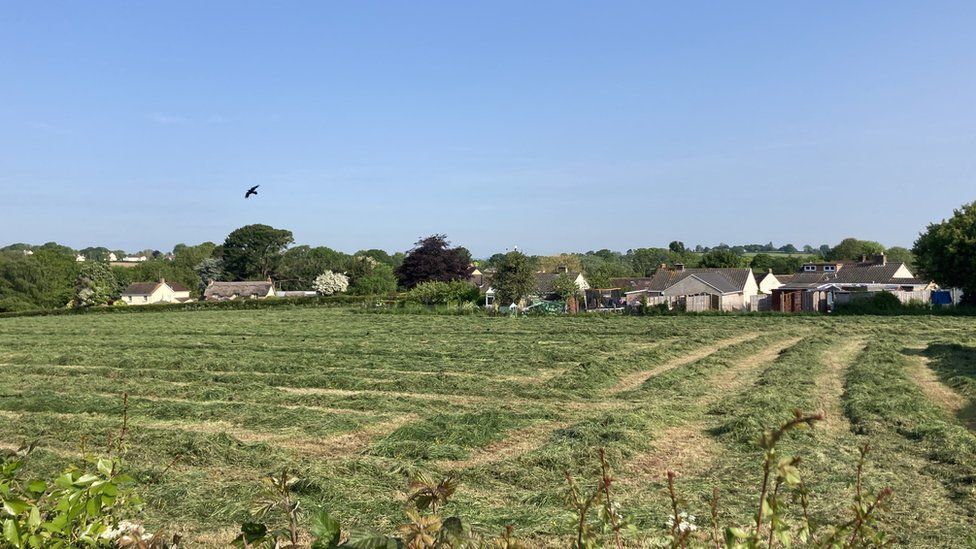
{"type": "Point", "coordinates": [550, 125]}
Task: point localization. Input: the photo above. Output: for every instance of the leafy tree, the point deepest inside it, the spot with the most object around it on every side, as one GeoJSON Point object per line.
{"type": "Point", "coordinates": [514, 278]}
{"type": "Point", "coordinates": [720, 258]}
{"type": "Point", "coordinates": [899, 254]}
{"type": "Point", "coordinates": [191, 256]}
{"type": "Point", "coordinates": [209, 269]}
{"type": "Point", "coordinates": [56, 248]}
{"type": "Point", "coordinates": [435, 292]}
{"type": "Point", "coordinates": [44, 280]}
{"type": "Point", "coordinates": [155, 269]}
{"type": "Point", "coordinates": [565, 287]}
{"type": "Point", "coordinates": [301, 264]}
{"type": "Point", "coordinates": [808, 249]}
{"type": "Point", "coordinates": [432, 259]}
{"type": "Point", "coordinates": [677, 247]}
{"type": "Point", "coordinates": [552, 263]}
{"type": "Point", "coordinates": [255, 251]}
{"type": "Point", "coordinates": [380, 256]}
{"type": "Point", "coordinates": [381, 280]}
{"type": "Point", "coordinates": [96, 285]}
{"type": "Point", "coordinates": [329, 283]}
{"type": "Point", "coordinates": [99, 253]}
{"type": "Point", "coordinates": [853, 249]}
{"type": "Point", "coordinates": [788, 249]}
{"type": "Point", "coordinates": [761, 263]}
{"type": "Point", "coordinates": [601, 276]}
{"type": "Point", "coordinates": [493, 261]}
{"type": "Point", "coordinates": [645, 261]}
{"type": "Point", "coordinates": [779, 264]}
{"type": "Point", "coordinates": [946, 252]}
{"type": "Point", "coordinates": [17, 247]}
{"type": "Point", "coordinates": [370, 277]}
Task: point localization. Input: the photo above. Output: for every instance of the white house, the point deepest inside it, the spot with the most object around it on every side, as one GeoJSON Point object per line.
{"type": "Point", "coordinates": [147, 293]}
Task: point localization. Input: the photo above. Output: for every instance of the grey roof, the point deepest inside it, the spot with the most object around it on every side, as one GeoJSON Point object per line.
{"type": "Point", "coordinates": [141, 288]}
{"type": "Point", "coordinates": [855, 273]}
{"type": "Point", "coordinates": [227, 290]}
{"type": "Point", "coordinates": [718, 281]}
{"type": "Point", "coordinates": [177, 287]}
{"type": "Point", "coordinates": [734, 278]}
{"type": "Point", "coordinates": [544, 281]}
{"type": "Point", "coordinates": [632, 284]}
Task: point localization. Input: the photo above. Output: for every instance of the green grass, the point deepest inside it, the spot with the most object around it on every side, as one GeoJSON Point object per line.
{"type": "Point", "coordinates": [218, 398]}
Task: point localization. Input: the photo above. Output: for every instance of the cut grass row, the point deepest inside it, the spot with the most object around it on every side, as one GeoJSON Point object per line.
{"type": "Point", "coordinates": [512, 403]}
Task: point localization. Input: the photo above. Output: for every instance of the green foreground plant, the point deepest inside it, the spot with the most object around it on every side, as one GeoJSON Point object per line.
{"type": "Point", "coordinates": [86, 506]}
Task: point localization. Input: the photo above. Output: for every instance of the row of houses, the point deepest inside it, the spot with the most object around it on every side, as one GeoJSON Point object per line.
{"type": "Point", "coordinates": [148, 293]}
{"type": "Point", "coordinates": [816, 287]}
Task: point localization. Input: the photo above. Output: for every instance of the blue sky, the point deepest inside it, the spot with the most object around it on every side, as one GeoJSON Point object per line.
{"type": "Point", "coordinates": [553, 126]}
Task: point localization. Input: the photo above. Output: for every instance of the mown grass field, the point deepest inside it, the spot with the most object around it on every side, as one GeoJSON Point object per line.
{"type": "Point", "coordinates": [353, 400]}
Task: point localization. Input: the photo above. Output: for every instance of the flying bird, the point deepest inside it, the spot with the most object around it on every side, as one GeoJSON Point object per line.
{"type": "Point", "coordinates": [252, 190]}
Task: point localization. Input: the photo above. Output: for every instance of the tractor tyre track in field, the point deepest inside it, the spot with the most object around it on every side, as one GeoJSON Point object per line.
{"type": "Point", "coordinates": [634, 380]}
{"type": "Point", "coordinates": [956, 405]}
{"type": "Point", "coordinates": [689, 448]}
{"type": "Point", "coordinates": [830, 385]}
{"type": "Point", "coordinates": [516, 443]}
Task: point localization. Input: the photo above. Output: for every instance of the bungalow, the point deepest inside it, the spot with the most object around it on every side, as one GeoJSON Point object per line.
{"type": "Point", "coordinates": [251, 289]}
{"type": "Point", "coordinates": [731, 289]}
{"type": "Point", "coordinates": [817, 285]}
{"type": "Point", "coordinates": [146, 293]}
{"type": "Point", "coordinates": [545, 283]}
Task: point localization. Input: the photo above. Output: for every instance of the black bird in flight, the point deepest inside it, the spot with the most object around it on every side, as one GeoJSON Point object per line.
{"type": "Point", "coordinates": [252, 190]}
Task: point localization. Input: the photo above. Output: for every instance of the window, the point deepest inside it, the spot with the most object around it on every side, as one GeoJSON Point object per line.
{"type": "Point", "coordinates": [809, 268]}
{"type": "Point", "coordinates": [830, 268]}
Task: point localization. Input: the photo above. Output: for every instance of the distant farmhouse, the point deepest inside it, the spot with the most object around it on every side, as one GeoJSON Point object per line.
{"type": "Point", "coordinates": [818, 286]}
{"type": "Point", "coordinates": [147, 293]}
{"type": "Point", "coordinates": [227, 291]}
{"type": "Point", "coordinates": [728, 289]}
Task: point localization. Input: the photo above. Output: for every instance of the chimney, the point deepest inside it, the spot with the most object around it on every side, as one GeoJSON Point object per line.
{"type": "Point", "coordinates": [562, 269]}
{"type": "Point", "coordinates": [663, 266]}
{"type": "Point", "coordinates": [162, 280]}
{"type": "Point", "coordinates": [881, 259]}
{"type": "Point", "coordinates": [679, 267]}
{"type": "Point", "coordinates": [864, 259]}
{"type": "Point", "coordinates": [769, 270]}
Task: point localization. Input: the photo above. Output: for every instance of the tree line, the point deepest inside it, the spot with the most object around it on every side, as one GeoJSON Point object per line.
{"type": "Point", "coordinates": [50, 277]}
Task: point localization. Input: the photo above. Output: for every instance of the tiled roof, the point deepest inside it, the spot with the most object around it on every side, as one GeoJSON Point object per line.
{"type": "Point", "coordinates": [665, 278]}
{"type": "Point", "coordinates": [856, 273]}
{"type": "Point", "coordinates": [635, 284]}
{"type": "Point", "coordinates": [718, 281]}
{"type": "Point", "coordinates": [227, 290]}
{"type": "Point", "coordinates": [177, 287]}
{"type": "Point", "coordinates": [141, 288]}
{"type": "Point", "coordinates": [544, 281]}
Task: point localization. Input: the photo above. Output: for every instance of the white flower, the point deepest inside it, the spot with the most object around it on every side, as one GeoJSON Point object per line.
{"type": "Point", "coordinates": [329, 283]}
